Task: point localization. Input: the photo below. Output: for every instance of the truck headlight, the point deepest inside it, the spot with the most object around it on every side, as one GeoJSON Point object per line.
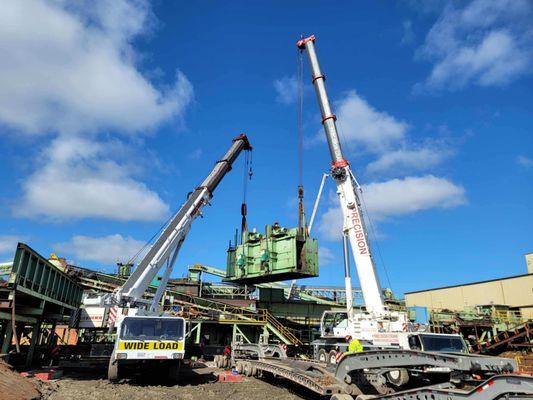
{"type": "Point", "coordinates": [122, 356]}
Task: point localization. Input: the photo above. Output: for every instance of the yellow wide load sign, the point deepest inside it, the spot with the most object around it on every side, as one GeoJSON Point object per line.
{"type": "Point", "coordinates": [149, 345]}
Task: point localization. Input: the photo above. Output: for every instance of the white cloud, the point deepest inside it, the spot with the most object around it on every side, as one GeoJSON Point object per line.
{"type": "Point", "coordinates": [107, 249]}
{"type": "Point", "coordinates": [71, 68]}
{"type": "Point", "coordinates": [407, 160]}
{"type": "Point", "coordinates": [486, 43]}
{"type": "Point", "coordinates": [408, 36]}
{"type": "Point", "coordinates": [524, 161]}
{"type": "Point", "coordinates": [286, 89]}
{"type": "Point", "coordinates": [82, 178]}
{"type": "Point", "coordinates": [8, 243]}
{"type": "Point", "coordinates": [325, 256]}
{"type": "Point", "coordinates": [362, 124]}
{"type": "Point", "coordinates": [395, 198]}
{"type": "Point", "coordinates": [196, 154]}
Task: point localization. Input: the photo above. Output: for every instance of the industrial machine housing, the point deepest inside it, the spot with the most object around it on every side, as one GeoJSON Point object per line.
{"type": "Point", "coordinates": [277, 255]}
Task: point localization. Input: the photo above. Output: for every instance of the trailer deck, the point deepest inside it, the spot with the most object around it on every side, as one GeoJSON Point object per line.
{"type": "Point", "coordinates": [421, 375]}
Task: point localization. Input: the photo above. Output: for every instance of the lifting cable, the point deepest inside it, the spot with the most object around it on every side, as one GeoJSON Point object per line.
{"type": "Point", "coordinates": [247, 175]}
{"type": "Point", "coordinates": [134, 257]}
{"type": "Point", "coordinates": [302, 223]}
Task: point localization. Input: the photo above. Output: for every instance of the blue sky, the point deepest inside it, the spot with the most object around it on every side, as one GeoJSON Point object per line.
{"type": "Point", "coordinates": [111, 112]}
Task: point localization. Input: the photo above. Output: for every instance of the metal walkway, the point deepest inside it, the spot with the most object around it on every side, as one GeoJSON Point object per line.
{"type": "Point", "coordinates": [199, 307]}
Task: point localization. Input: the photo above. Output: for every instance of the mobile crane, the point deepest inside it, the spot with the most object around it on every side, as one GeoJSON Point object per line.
{"type": "Point", "coordinates": [395, 364]}
{"type": "Point", "coordinates": [143, 334]}
{"type": "Point", "coordinates": [377, 327]}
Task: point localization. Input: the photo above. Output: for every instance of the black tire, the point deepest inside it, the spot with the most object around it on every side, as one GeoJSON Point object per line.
{"type": "Point", "coordinates": [332, 357]}
{"type": "Point", "coordinates": [174, 371]}
{"type": "Point", "coordinates": [341, 396]}
{"type": "Point", "coordinates": [239, 367]}
{"type": "Point", "coordinates": [248, 369]}
{"type": "Point", "coordinates": [398, 377]}
{"type": "Point", "coordinates": [322, 356]}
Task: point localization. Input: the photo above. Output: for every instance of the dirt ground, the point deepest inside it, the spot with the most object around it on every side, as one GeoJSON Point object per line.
{"type": "Point", "coordinates": [199, 384]}
{"type": "Point", "coordinates": [15, 387]}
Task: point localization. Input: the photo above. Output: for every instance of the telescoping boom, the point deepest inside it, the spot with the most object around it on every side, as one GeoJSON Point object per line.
{"type": "Point", "coordinates": [353, 226]}
{"type": "Point", "coordinates": [143, 333]}
{"type": "Point", "coordinates": [165, 249]}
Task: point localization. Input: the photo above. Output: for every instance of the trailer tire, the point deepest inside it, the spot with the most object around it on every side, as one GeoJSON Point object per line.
{"type": "Point", "coordinates": [254, 370]}
{"type": "Point", "coordinates": [225, 362]}
{"type": "Point", "coordinates": [240, 367]}
{"type": "Point", "coordinates": [332, 357]}
{"type": "Point", "coordinates": [322, 356]}
{"type": "Point", "coordinates": [217, 357]}
{"type": "Point", "coordinates": [398, 377]}
{"type": "Point", "coordinates": [341, 396]}
{"type": "Point", "coordinates": [248, 369]}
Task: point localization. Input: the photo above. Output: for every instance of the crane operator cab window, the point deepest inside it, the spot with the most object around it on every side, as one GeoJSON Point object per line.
{"type": "Point", "coordinates": [136, 328]}
{"type": "Point", "coordinates": [438, 343]}
{"type": "Point", "coordinates": [333, 321]}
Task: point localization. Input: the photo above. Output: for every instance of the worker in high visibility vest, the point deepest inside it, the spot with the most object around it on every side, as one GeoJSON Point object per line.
{"type": "Point", "coordinates": [354, 345]}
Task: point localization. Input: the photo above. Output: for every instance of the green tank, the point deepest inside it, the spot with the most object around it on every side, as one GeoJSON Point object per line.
{"type": "Point", "coordinates": [278, 254]}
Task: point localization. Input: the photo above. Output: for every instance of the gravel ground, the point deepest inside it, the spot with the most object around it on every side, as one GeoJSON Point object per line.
{"type": "Point", "coordinates": [199, 384]}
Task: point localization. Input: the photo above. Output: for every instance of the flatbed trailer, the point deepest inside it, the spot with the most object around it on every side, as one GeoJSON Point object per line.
{"type": "Point", "coordinates": [395, 374]}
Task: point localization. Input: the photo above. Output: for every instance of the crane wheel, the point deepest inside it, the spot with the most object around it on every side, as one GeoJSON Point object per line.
{"type": "Point", "coordinates": [322, 356]}
{"type": "Point", "coordinates": [174, 372]}
{"type": "Point", "coordinates": [332, 357]}
{"type": "Point", "coordinates": [398, 377]}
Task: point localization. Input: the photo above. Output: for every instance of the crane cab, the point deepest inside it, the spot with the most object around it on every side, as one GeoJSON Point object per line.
{"type": "Point", "coordinates": [435, 342]}
{"type": "Point", "coordinates": [158, 341]}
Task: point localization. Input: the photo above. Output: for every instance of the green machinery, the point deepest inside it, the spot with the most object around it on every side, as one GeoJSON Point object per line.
{"type": "Point", "coordinates": [277, 255]}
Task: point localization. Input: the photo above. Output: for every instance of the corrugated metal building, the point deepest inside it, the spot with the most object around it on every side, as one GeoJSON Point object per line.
{"type": "Point", "coordinates": [514, 291]}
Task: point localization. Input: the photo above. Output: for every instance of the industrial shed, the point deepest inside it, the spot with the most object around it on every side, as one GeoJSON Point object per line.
{"type": "Point", "coordinates": [513, 291]}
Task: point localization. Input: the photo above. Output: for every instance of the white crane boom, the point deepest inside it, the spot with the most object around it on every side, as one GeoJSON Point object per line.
{"type": "Point", "coordinates": [165, 249]}
{"type": "Point", "coordinates": [353, 226]}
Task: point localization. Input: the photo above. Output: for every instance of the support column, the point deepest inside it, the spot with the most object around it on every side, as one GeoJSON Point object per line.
{"type": "Point", "coordinates": [8, 336]}
{"type": "Point", "coordinates": [198, 333]}
{"type": "Point", "coordinates": [33, 342]}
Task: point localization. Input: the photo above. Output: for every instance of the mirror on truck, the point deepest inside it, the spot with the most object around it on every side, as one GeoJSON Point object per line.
{"type": "Point", "coordinates": [414, 343]}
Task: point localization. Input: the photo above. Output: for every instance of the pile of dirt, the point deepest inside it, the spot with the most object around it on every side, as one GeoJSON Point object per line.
{"type": "Point", "coordinates": [16, 387]}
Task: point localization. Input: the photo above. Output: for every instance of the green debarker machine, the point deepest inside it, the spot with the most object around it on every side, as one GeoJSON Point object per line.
{"type": "Point", "coordinates": [278, 254]}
